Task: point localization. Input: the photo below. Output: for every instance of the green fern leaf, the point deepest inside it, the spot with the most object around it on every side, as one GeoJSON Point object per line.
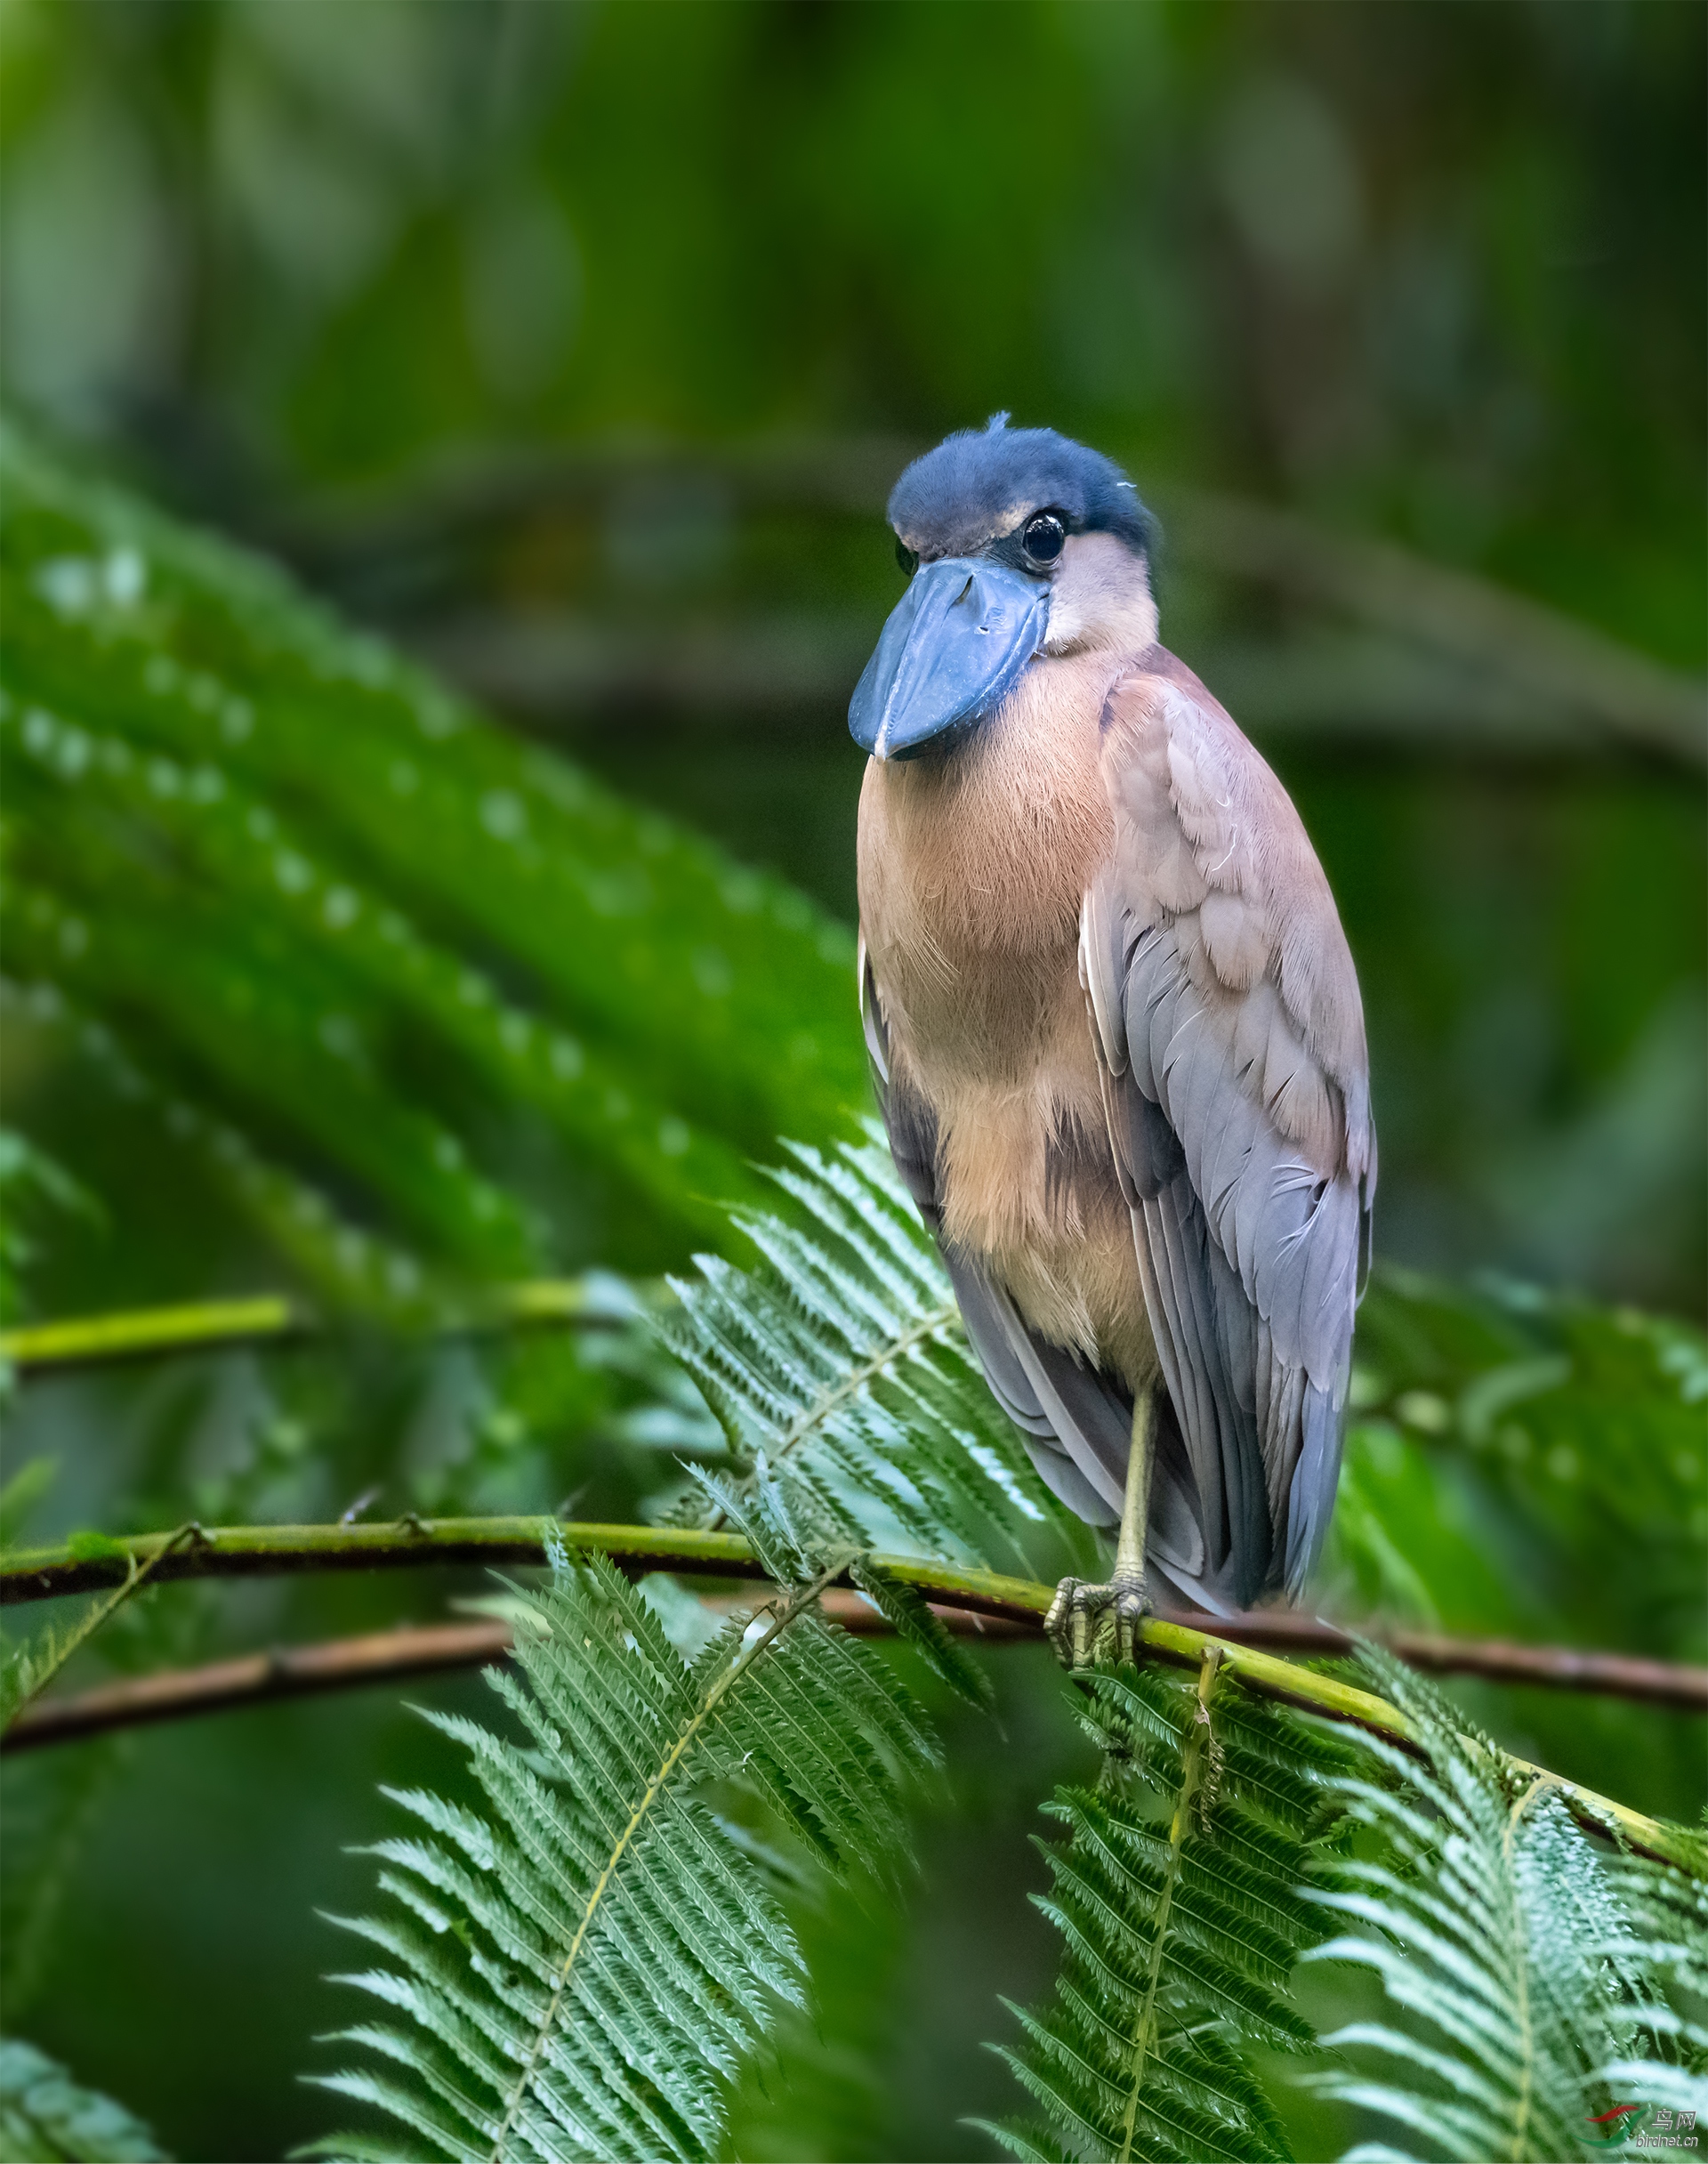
{"type": "Point", "coordinates": [360, 926]}
{"type": "Point", "coordinates": [841, 1364]}
{"type": "Point", "coordinates": [350, 1266]}
{"type": "Point", "coordinates": [912, 1620]}
{"type": "Point", "coordinates": [1177, 1896]}
{"type": "Point", "coordinates": [580, 1969]}
{"type": "Point", "coordinates": [46, 2116]}
{"type": "Point", "coordinates": [1527, 2001]}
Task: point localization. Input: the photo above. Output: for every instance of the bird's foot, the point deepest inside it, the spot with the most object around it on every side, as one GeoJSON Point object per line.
{"type": "Point", "coordinates": [1093, 1626]}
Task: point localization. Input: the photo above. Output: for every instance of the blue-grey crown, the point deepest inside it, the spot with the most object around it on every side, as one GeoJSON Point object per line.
{"type": "Point", "coordinates": [951, 501]}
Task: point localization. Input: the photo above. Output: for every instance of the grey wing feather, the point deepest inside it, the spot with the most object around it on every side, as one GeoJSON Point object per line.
{"type": "Point", "coordinates": [1226, 1015]}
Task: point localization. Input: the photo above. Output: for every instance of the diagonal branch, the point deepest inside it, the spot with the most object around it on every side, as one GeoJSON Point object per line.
{"type": "Point", "coordinates": [1560, 668]}
{"type": "Point", "coordinates": [266, 1551]}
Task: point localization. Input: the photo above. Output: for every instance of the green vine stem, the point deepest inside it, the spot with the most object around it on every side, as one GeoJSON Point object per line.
{"type": "Point", "coordinates": [265, 1318]}
{"type": "Point", "coordinates": [93, 1562]}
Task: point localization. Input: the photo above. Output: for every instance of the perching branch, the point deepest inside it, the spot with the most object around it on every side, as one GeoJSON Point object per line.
{"type": "Point", "coordinates": [93, 1562]}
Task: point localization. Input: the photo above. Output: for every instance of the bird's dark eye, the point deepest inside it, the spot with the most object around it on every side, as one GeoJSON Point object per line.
{"type": "Point", "coordinates": [1043, 537]}
{"type": "Point", "coordinates": [905, 557]}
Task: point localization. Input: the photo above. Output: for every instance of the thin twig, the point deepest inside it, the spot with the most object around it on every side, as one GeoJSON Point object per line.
{"type": "Point", "coordinates": [1561, 668]}
{"type": "Point", "coordinates": [387, 1656]}
{"type": "Point", "coordinates": [1144, 2027]}
{"type": "Point", "coordinates": [1570, 667]}
{"type": "Point", "coordinates": [1548, 1667]}
{"type": "Point", "coordinates": [258, 1679]}
{"type": "Point", "coordinates": [255, 1551]}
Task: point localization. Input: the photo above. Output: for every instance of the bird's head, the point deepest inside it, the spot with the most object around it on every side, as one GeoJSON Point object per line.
{"type": "Point", "coordinates": [1017, 543]}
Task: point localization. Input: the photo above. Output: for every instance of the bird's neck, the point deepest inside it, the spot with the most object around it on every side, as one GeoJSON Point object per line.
{"type": "Point", "coordinates": [986, 853]}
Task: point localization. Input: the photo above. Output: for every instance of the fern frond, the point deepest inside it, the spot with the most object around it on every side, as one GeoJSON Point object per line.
{"type": "Point", "coordinates": [272, 869]}
{"type": "Point", "coordinates": [45, 2114]}
{"type": "Point", "coordinates": [1177, 1894]}
{"type": "Point", "coordinates": [353, 1269]}
{"type": "Point", "coordinates": [843, 1366]}
{"type": "Point", "coordinates": [1508, 1948]}
{"type": "Point", "coordinates": [577, 1971]}
{"type": "Point", "coordinates": [361, 925]}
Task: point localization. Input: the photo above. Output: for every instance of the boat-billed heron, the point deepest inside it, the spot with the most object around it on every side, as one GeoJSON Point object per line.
{"type": "Point", "coordinates": [1115, 1032]}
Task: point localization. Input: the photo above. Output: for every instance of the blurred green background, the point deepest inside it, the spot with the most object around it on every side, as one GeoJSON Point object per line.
{"type": "Point", "coordinates": [575, 349]}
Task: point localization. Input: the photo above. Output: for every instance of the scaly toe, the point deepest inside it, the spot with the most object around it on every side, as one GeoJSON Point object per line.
{"type": "Point", "coordinates": [1092, 1625]}
{"type": "Point", "coordinates": [1058, 1624]}
{"type": "Point", "coordinates": [1132, 1606]}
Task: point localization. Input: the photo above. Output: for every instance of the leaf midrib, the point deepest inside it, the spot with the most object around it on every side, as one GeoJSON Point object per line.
{"type": "Point", "coordinates": [782, 1617]}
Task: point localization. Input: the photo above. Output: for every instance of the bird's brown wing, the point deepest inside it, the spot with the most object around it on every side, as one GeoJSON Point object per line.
{"type": "Point", "coordinates": [1230, 1034]}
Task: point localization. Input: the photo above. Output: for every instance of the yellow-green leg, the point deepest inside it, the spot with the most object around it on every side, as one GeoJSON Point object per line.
{"type": "Point", "coordinates": [1088, 1623]}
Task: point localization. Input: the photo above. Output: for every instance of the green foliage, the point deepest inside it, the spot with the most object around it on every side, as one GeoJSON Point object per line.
{"type": "Point", "coordinates": [1178, 1895]}
{"type": "Point", "coordinates": [840, 1371]}
{"type": "Point", "coordinates": [1533, 1464]}
{"type": "Point", "coordinates": [28, 1667]}
{"type": "Point", "coordinates": [726, 233]}
{"type": "Point", "coordinates": [1536, 1983]}
{"type": "Point", "coordinates": [32, 1185]}
{"type": "Point", "coordinates": [291, 994]}
{"type": "Point", "coordinates": [45, 2118]}
{"type": "Point", "coordinates": [1573, 1438]}
{"type": "Point", "coordinates": [331, 916]}
{"type": "Point", "coordinates": [1531, 2000]}
{"type": "Point", "coordinates": [587, 1964]}
{"type": "Point", "coordinates": [52, 1800]}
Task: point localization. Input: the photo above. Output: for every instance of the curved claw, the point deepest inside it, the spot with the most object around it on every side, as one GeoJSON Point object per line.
{"type": "Point", "coordinates": [1094, 1626]}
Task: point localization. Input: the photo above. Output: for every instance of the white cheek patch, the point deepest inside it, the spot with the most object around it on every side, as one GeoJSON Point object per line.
{"type": "Point", "coordinates": [1100, 597]}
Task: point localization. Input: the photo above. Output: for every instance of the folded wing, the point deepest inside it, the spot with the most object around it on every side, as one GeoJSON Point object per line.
{"type": "Point", "coordinates": [1230, 1035]}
